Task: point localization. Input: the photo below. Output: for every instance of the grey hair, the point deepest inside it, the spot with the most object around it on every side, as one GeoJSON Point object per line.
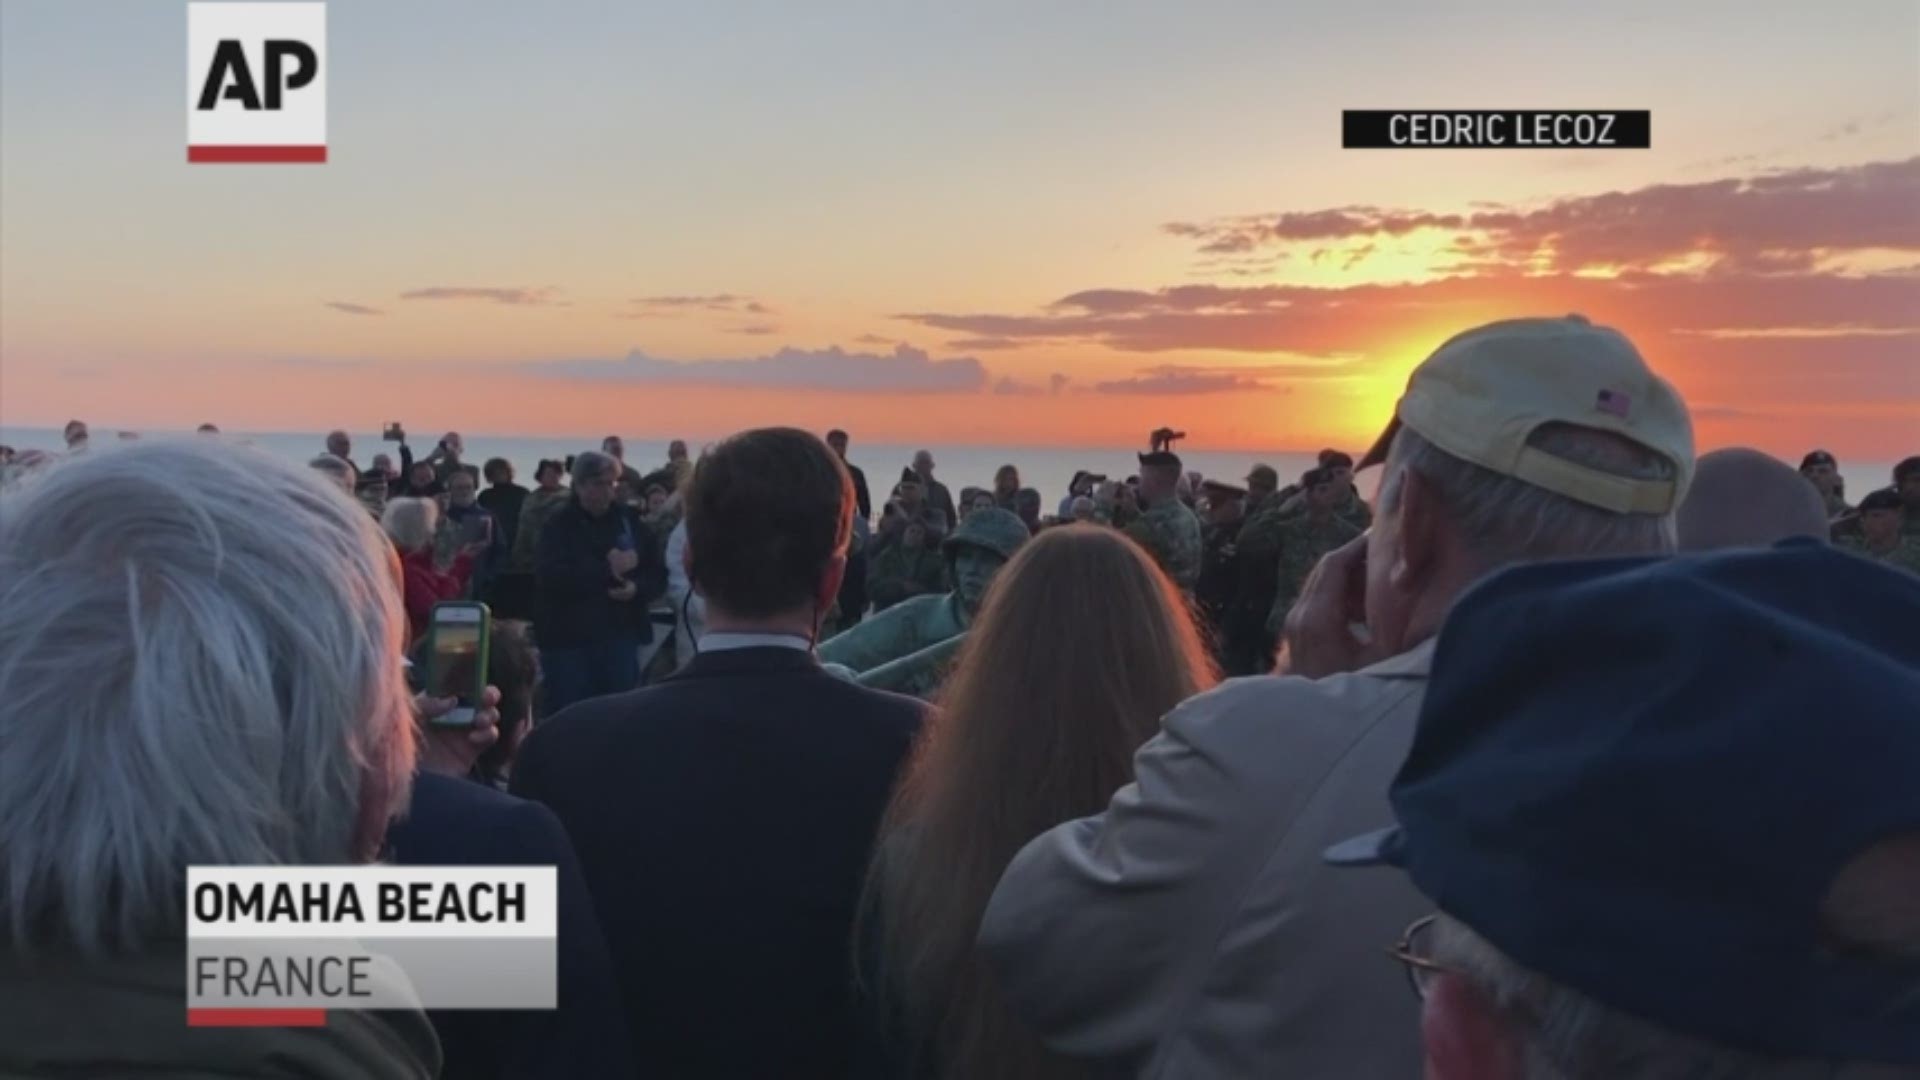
{"type": "Point", "coordinates": [591, 463]}
{"type": "Point", "coordinates": [199, 665]}
{"type": "Point", "coordinates": [336, 468]}
{"type": "Point", "coordinates": [1505, 520]}
{"type": "Point", "coordinates": [1569, 1036]}
{"type": "Point", "coordinates": [411, 523]}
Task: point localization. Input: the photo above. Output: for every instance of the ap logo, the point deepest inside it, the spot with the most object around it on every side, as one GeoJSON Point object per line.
{"type": "Point", "coordinates": [256, 82]}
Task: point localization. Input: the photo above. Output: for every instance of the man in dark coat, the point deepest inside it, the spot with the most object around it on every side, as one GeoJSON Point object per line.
{"type": "Point", "coordinates": [597, 568]}
{"type": "Point", "coordinates": [724, 816]}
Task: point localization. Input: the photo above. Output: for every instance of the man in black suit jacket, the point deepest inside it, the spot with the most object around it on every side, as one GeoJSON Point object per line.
{"type": "Point", "coordinates": [724, 817]}
{"type": "Point", "coordinates": [453, 821]}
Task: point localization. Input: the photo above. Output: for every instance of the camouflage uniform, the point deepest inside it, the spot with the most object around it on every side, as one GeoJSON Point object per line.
{"type": "Point", "coordinates": [1219, 576]}
{"type": "Point", "coordinates": [901, 572]}
{"type": "Point", "coordinates": [1171, 534]}
{"type": "Point", "coordinates": [908, 629]}
{"type": "Point", "coordinates": [1353, 509]}
{"type": "Point", "coordinates": [1905, 554]}
{"type": "Point", "coordinates": [1303, 540]}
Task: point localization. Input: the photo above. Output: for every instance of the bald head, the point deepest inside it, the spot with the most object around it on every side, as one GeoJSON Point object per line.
{"type": "Point", "coordinates": [1743, 498]}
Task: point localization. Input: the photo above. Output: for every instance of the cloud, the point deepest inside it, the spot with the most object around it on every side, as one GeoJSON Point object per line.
{"type": "Point", "coordinates": [1766, 222]}
{"type": "Point", "coordinates": [1328, 321]}
{"type": "Point", "coordinates": [516, 297]}
{"type": "Point", "coordinates": [1719, 412]}
{"type": "Point", "coordinates": [755, 331]}
{"type": "Point", "coordinates": [876, 339]}
{"type": "Point", "coordinates": [1008, 386]}
{"type": "Point", "coordinates": [353, 309]}
{"type": "Point", "coordinates": [323, 363]}
{"type": "Point", "coordinates": [729, 303]}
{"type": "Point", "coordinates": [1172, 383]}
{"type": "Point", "coordinates": [984, 344]}
{"type": "Point", "coordinates": [906, 370]}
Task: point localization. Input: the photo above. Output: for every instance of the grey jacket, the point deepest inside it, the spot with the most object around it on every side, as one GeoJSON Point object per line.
{"type": "Point", "coordinates": [1192, 930]}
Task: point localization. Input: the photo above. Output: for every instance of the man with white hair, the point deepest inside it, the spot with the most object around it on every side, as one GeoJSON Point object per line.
{"type": "Point", "coordinates": [1693, 850]}
{"type": "Point", "coordinates": [180, 686]}
{"type": "Point", "coordinates": [1192, 929]}
{"type": "Point", "coordinates": [340, 445]}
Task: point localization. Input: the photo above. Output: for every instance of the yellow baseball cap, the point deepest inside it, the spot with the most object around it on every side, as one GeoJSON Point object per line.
{"type": "Point", "coordinates": [1483, 393]}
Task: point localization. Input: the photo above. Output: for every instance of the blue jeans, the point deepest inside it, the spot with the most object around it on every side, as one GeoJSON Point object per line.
{"type": "Point", "coordinates": [588, 671]}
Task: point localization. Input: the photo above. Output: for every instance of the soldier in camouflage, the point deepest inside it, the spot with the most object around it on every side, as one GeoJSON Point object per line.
{"type": "Point", "coordinates": [1305, 537]}
{"type": "Point", "coordinates": [975, 552]}
{"type": "Point", "coordinates": [1348, 506]}
{"type": "Point", "coordinates": [1880, 537]}
{"type": "Point", "coordinates": [1166, 528]}
{"type": "Point", "coordinates": [1219, 570]}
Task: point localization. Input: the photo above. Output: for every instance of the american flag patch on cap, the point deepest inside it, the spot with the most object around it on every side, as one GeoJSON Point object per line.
{"type": "Point", "coordinates": [1614, 402]}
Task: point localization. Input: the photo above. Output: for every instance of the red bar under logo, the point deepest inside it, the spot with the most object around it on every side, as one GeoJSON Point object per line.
{"type": "Point", "coordinates": [256, 1018]}
{"type": "Point", "coordinates": [257, 154]}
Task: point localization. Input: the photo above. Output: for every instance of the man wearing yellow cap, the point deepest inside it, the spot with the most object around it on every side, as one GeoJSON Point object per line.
{"type": "Point", "coordinates": [1192, 929]}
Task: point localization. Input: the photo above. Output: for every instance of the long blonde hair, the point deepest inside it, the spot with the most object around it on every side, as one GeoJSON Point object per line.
{"type": "Point", "coordinates": [1081, 646]}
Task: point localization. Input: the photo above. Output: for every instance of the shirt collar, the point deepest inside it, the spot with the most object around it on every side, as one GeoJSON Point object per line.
{"type": "Point", "coordinates": [723, 642]}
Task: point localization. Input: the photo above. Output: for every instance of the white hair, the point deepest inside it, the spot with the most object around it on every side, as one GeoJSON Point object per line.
{"type": "Point", "coordinates": [1504, 520]}
{"type": "Point", "coordinates": [336, 469]}
{"type": "Point", "coordinates": [1569, 1036]}
{"type": "Point", "coordinates": [411, 523]}
{"type": "Point", "coordinates": [199, 665]}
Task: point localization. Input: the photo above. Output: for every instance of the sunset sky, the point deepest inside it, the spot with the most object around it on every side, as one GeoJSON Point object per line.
{"type": "Point", "coordinates": [1024, 223]}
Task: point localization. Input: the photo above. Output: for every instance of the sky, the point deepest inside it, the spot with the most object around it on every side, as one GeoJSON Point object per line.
{"type": "Point", "coordinates": [980, 223]}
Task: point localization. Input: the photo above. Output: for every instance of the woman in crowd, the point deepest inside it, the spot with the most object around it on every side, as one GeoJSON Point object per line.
{"type": "Point", "coordinates": [1006, 483]}
{"type": "Point", "coordinates": [181, 686]}
{"type": "Point", "coordinates": [548, 495]}
{"type": "Point", "coordinates": [1081, 646]}
{"type": "Point", "coordinates": [411, 524]}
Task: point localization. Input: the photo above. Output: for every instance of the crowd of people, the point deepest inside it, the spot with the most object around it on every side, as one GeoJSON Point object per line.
{"type": "Point", "coordinates": [1571, 755]}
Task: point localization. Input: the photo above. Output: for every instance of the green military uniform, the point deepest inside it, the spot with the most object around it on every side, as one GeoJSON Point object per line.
{"type": "Point", "coordinates": [1353, 509]}
{"type": "Point", "coordinates": [1905, 554]}
{"type": "Point", "coordinates": [900, 572]}
{"type": "Point", "coordinates": [908, 629]}
{"type": "Point", "coordinates": [1303, 540]}
{"type": "Point", "coordinates": [1171, 534]}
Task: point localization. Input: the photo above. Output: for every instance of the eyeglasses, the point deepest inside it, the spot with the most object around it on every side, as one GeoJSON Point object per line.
{"type": "Point", "coordinates": [1412, 951]}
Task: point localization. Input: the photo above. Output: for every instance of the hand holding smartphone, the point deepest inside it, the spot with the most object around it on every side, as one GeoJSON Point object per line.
{"type": "Point", "coordinates": [458, 637]}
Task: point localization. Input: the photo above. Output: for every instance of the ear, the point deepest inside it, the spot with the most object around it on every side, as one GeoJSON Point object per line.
{"type": "Point", "coordinates": [1422, 524]}
{"type": "Point", "coordinates": [836, 572]}
{"type": "Point", "coordinates": [1464, 1036]}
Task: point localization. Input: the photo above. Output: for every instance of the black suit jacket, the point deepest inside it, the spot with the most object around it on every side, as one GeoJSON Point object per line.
{"type": "Point", "coordinates": [724, 818]}
{"type": "Point", "coordinates": [861, 497]}
{"type": "Point", "coordinates": [454, 822]}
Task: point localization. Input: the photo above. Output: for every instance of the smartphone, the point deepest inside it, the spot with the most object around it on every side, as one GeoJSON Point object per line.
{"type": "Point", "coordinates": [458, 635]}
{"type": "Point", "coordinates": [391, 433]}
{"type": "Point", "coordinates": [477, 529]}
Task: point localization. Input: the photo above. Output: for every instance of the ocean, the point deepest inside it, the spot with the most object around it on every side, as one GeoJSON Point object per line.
{"type": "Point", "coordinates": [1047, 469]}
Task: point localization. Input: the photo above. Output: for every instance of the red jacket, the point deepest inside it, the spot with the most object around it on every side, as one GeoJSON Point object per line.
{"type": "Point", "coordinates": [427, 585]}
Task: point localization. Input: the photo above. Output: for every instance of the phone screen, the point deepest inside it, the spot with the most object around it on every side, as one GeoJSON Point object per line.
{"type": "Point", "coordinates": [457, 666]}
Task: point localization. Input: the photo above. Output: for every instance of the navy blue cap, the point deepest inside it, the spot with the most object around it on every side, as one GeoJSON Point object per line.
{"type": "Point", "coordinates": [1640, 778]}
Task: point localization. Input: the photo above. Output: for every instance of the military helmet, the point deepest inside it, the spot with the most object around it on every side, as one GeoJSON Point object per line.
{"type": "Point", "coordinates": [998, 531]}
